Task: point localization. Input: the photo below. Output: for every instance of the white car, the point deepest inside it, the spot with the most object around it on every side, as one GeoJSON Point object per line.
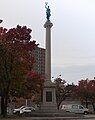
{"type": "Point", "coordinates": [17, 110]}
{"type": "Point", "coordinates": [27, 110]}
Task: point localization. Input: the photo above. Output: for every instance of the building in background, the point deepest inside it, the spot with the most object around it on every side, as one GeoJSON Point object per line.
{"type": "Point", "coordinates": [39, 65]}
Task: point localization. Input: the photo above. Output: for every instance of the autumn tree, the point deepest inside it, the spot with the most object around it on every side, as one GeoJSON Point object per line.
{"type": "Point", "coordinates": [70, 91]}
{"type": "Point", "coordinates": [34, 84]}
{"type": "Point", "coordinates": [91, 91]}
{"type": "Point", "coordinates": [60, 93]}
{"type": "Point", "coordinates": [31, 85]}
{"type": "Point", "coordinates": [86, 92]}
{"type": "Point", "coordinates": [83, 91]}
{"type": "Point", "coordinates": [16, 60]}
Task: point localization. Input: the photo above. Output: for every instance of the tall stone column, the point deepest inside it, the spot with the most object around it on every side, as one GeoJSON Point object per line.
{"type": "Point", "coordinates": [49, 96]}
{"type": "Point", "coordinates": [48, 26]}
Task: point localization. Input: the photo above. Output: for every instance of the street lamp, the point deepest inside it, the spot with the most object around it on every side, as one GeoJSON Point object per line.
{"type": "Point", "coordinates": [1, 21]}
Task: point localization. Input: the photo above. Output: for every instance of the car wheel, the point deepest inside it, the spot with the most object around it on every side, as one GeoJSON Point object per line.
{"type": "Point", "coordinates": [18, 112]}
{"type": "Point", "coordinates": [85, 112]}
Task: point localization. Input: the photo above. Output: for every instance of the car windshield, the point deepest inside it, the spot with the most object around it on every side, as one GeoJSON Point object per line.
{"type": "Point", "coordinates": [21, 107]}
{"type": "Point", "coordinates": [80, 107]}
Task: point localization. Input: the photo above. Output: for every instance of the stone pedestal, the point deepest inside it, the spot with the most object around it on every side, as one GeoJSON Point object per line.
{"type": "Point", "coordinates": [49, 96]}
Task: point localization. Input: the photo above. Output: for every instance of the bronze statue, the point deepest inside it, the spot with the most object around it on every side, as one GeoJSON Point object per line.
{"type": "Point", "coordinates": [47, 11]}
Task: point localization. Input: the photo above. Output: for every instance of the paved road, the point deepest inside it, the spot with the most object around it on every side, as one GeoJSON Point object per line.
{"type": "Point", "coordinates": [83, 119]}
{"type": "Point", "coordinates": [50, 119]}
{"type": "Point", "coordinates": [61, 119]}
{"type": "Point", "coordinates": [86, 117]}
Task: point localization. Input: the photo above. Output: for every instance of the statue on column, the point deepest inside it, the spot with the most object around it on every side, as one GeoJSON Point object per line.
{"type": "Point", "coordinates": [47, 11]}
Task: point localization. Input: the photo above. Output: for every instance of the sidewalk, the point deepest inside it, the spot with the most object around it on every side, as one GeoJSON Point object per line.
{"type": "Point", "coordinates": [62, 118]}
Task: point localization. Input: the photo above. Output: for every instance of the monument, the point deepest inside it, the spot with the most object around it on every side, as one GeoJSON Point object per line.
{"type": "Point", "coordinates": [48, 106]}
{"type": "Point", "coordinates": [49, 95]}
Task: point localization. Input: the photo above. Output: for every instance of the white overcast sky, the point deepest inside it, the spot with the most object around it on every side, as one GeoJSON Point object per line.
{"type": "Point", "coordinates": [73, 32]}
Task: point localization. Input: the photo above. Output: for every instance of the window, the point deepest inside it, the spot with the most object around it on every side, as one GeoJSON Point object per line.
{"type": "Point", "coordinates": [80, 107]}
{"type": "Point", "coordinates": [74, 106]}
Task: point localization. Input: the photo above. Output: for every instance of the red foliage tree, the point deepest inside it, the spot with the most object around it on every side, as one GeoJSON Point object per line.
{"type": "Point", "coordinates": [86, 92]}
{"type": "Point", "coordinates": [91, 92]}
{"type": "Point", "coordinates": [33, 83]}
{"type": "Point", "coordinates": [16, 60]}
{"type": "Point", "coordinates": [70, 91]}
{"type": "Point", "coordinates": [60, 93]}
{"type": "Point", "coordinates": [83, 91]}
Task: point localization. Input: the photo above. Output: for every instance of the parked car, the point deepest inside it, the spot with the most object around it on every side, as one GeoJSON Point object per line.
{"type": "Point", "coordinates": [17, 110]}
{"type": "Point", "coordinates": [27, 110]}
{"type": "Point", "coordinates": [75, 108]}
{"type": "Point", "coordinates": [23, 109]}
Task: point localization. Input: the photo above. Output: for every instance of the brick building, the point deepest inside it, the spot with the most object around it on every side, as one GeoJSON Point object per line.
{"type": "Point", "coordinates": [39, 65]}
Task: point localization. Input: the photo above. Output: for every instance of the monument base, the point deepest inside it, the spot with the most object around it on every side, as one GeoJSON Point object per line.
{"type": "Point", "coordinates": [48, 109]}
{"type": "Point", "coordinates": [49, 98]}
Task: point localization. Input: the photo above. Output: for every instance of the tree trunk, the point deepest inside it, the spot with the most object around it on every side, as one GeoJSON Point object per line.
{"type": "Point", "coordinates": [93, 104]}
{"type": "Point", "coordinates": [5, 104]}
{"type": "Point", "coordinates": [4, 101]}
{"type": "Point", "coordinates": [2, 105]}
{"type": "Point", "coordinates": [86, 102]}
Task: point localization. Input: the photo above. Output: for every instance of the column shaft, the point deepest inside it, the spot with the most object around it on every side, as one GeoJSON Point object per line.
{"type": "Point", "coordinates": [48, 26]}
{"type": "Point", "coordinates": [48, 54]}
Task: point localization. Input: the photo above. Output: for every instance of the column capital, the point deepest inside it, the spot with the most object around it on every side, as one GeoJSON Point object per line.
{"type": "Point", "coordinates": [48, 24]}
